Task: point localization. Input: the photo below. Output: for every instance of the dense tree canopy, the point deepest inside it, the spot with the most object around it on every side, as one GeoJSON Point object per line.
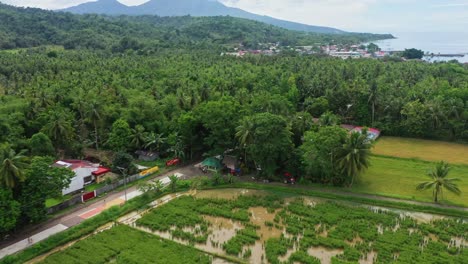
{"type": "Point", "coordinates": [129, 83]}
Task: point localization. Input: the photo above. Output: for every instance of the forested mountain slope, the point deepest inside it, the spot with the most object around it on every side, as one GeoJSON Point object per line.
{"type": "Point", "coordinates": [29, 27]}
{"type": "Point", "coordinates": [189, 7]}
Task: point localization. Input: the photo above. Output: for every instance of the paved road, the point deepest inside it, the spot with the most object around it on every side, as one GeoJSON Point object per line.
{"type": "Point", "coordinates": [84, 212]}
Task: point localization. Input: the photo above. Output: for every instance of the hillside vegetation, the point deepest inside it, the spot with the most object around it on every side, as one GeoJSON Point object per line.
{"type": "Point", "coordinates": [30, 27]}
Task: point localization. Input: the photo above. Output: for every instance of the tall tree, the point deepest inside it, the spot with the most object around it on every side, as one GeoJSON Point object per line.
{"type": "Point", "coordinates": [319, 154]}
{"type": "Point", "coordinates": [41, 145]}
{"type": "Point", "coordinates": [439, 181]}
{"type": "Point", "coordinates": [373, 95]}
{"type": "Point", "coordinates": [58, 126]}
{"type": "Point", "coordinates": [353, 157]}
{"type": "Point", "coordinates": [94, 115]}
{"type": "Point", "coordinates": [244, 134]}
{"type": "Point", "coordinates": [155, 141]}
{"type": "Point", "coordinates": [10, 209]}
{"type": "Point", "coordinates": [272, 142]}
{"type": "Point", "coordinates": [11, 168]}
{"type": "Point", "coordinates": [43, 181]}
{"type": "Point", "coordinates": [138, 136]}
{"type": "Point", "coordinates": [120, 136]}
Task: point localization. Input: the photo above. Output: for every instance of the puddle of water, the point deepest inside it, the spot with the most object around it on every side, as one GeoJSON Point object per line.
{"type": "Point", "coordinates": [380, 229]}
{"type": "Point", "coordinates": [220, 261]}
{"type": "Point", "coordinates": [258, 253]}
{"type": "Point", "coordinates": [355, 241]}
{"type": "Point", "coordinates": [323, 232]}
{"type": "Point", "coordinates": [458, 242]}
{"type": "Point", "coordinates": [324, 254]}
{"type": "Point", "coordinates": [220, 231]}
{"type": "Point", "coordinates": [370, 258]}
{"type": "Point", "coordinates": [259, 216]}
{"type": "Point", "coordinates": [433, 237]}
{"type": "Point", "coordinates": [227, 194]}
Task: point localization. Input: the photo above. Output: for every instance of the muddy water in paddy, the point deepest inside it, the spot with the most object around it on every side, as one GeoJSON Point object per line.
{"type": "Point", "coordinates": [324, 254]}
{"type": "Point", "coordinates": [221, 230]}
{"type": "Point", "coordinates": [228, 194]}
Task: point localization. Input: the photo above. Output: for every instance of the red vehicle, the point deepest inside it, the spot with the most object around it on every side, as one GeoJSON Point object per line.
{"type": "Point", "coordinates": [173, 162]}
{"type": "Point", "coordinates": [289, 179]}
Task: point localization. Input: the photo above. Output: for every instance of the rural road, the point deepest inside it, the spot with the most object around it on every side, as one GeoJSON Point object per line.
{"type": "Point", "coordinates": [40, 232]}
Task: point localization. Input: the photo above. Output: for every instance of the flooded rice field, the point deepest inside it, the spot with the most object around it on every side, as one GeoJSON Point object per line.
{"type": "Point", "coordinates": [248, 226]}
{"type": "Point", "coordinates": [297, 241]}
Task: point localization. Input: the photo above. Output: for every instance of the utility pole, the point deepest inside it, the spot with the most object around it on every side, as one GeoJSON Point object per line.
{"type": "Point", "coordinates": [124, 172]}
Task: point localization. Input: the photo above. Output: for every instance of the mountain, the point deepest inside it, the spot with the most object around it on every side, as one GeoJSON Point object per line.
{"type": "Point", "coordinates": [110, 7]}
{"type": "Point", "coordinates": [192, 8]}
{"type": "Point", "coordinates": [32, 27]}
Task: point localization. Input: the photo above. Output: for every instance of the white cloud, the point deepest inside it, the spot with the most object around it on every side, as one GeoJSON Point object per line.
{"type": "Point", "coordinates": [334, 13]}
{"type": "Point", "coordinates": [450, 5]}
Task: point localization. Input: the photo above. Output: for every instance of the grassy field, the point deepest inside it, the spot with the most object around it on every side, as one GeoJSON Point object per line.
{"type": "Point", "coordinates": [397, 177]}
{"type": "Point", "coordinates": [422, 149]}
{"type": "Point", "coordinates": [123, 244]}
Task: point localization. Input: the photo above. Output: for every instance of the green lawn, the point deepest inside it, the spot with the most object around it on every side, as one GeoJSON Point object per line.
{"type": "Point", "coordinates": [52, 201]}
{"type": "Point", "coordinates": [94, 186]}
{"type": "Point", "coordinates": [422, 149]}
{"type": "Point", "coordinates": [398, 178]}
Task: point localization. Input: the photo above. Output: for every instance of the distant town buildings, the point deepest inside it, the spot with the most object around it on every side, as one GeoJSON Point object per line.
{"type": "Point", "coordinates": [339, 51]}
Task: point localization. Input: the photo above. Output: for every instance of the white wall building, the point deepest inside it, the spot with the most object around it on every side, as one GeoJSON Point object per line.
{"type": "Point", "coordinates": [83, 173]}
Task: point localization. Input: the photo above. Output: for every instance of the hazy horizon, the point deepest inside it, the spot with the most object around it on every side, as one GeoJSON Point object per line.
{"type": "Point", "coordinates": [375, 16]}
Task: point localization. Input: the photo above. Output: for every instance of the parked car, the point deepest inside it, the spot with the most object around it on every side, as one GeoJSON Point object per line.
{"type": "Point", "coordinates": [173, 162]}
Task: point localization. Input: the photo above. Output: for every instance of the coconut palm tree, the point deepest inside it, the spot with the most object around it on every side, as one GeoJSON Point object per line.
{"type": "Point", "coordinates": [138, 136]}
{"type": "Point", "coordinates": [353, 157]}
{"type": "Point", "coordinates": [329, 119]}
{"type": "Point", "coordinates": [244, 133]}
{"type": "Point", "coordinates": [373, 93]}
{"type": "Point", "coordinates": [439, 181]}
{"type": "Point", "coordinates": [94, 115]}
{"type": "Point", "coordinates": [154, 141]}
{"type": "Point", "coordinates": [12, 168]}
{"type": "Point", "coordinates": [59, 126]}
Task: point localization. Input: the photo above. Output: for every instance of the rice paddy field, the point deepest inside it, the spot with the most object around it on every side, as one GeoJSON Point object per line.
{"type": "Point", "coordinates": [122, 244]}
{"type": "Point", "coordinates": [400, 164]}
{"type": "Point", "coordinates": [262, 227]}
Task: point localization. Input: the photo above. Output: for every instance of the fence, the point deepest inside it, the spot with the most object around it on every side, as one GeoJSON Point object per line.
{"type": "Point", "coordinates": [80, 198]}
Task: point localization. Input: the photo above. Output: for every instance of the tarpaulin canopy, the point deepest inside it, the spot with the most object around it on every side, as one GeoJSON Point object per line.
{"type": "Point", "coordinates": [212, 163]}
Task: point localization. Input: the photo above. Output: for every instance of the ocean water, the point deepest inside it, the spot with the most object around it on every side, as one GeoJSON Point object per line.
{"type": "Point", "coordinates": [431, 42]}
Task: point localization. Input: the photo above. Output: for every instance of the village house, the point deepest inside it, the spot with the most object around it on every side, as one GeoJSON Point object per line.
{"type": "Point", "coordinates": [85, 173]}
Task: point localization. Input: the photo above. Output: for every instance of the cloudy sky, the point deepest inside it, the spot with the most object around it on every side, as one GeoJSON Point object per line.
{"type": "Point", "coordinates": [378, 16]}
